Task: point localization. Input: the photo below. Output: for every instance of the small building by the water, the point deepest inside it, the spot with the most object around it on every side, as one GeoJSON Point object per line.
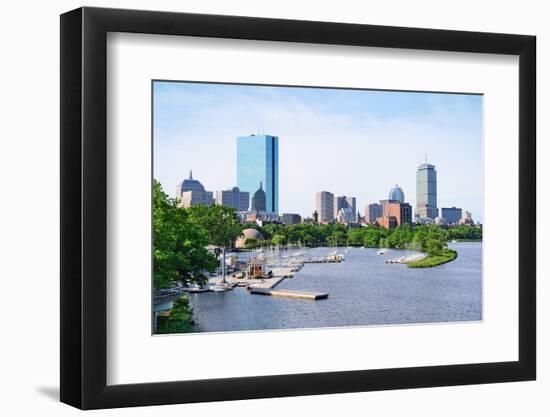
{"type": "Point", "coordinates": [255, 268]}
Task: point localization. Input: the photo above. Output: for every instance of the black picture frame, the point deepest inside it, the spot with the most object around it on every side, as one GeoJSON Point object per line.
{"type": "Point", "coordinates": [84, 207]}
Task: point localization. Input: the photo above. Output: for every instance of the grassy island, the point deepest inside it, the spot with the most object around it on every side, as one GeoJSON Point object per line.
{"type": "Point", "coordinates": [446, 255]}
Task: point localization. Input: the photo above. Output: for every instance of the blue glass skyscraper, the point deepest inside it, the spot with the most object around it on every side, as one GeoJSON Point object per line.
{"type": "Point", "coordinates": [258, 162]}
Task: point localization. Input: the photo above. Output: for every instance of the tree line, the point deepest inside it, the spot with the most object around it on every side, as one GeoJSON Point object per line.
{"type": "Point", "coordinates": [403, 237]}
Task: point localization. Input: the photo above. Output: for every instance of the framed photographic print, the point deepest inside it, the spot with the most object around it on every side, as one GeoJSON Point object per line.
{"type": "Point", "coordinates": [259, 207]}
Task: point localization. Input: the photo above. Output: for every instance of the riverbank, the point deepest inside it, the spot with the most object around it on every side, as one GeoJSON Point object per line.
{"type": "Point", "coordinates": [415, 257]}
{"type": "Point", "coordinates": [447, 255]}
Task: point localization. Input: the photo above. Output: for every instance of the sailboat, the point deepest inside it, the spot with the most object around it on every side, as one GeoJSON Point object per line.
{"type": "Point", "coordinates": [222, 285]}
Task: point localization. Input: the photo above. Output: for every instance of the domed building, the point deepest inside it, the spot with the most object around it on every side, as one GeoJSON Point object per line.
{"type": "Point", "coordinates": [258, 199]}
{"type": "Point", "coordinates": [396, 193]}
{"type": "Point", "coordinates": [248, 234]}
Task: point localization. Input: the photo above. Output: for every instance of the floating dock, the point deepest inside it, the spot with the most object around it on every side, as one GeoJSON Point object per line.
{"type": "Point", "coordinates": [322, 261]}
{"type": "Point", "coordinates": [290, 293]}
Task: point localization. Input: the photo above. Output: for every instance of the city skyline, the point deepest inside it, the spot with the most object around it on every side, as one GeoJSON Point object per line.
{"type": "Point", "coordinates": [365, 159]}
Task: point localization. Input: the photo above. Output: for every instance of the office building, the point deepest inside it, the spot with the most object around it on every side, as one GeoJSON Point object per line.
{"type": "Point", "coordinates": [325, 206]}
{"type": "Point", "coordinates": [345, 202]}
{"type": "Point", "coordinates": [394, 213]}
{"type": "Point", "coordinates": [258, 161]}
{"type": "Point", "coordinates": [406, 214]}
{"type": "Point", "coordinates": [426, 191]}
{"type": "Point", "coordinates": [391, 208]}
{"type": "Point", "coordinates": [396, 193]}
{"type": "Point", "coordinates": [291, 218]}
{"type": "Point", "coordinates": [388, 222]}
{"type": "Point", "coordinates": [372, 212]}
{"type": "Point", "coordinates": [188, 184]}
{"type": "Point", "coordinates": [233, 198]}
{"type": "Point", "coordinates": [346, 215]}
{"type": "Point", "coordinates": [190, 192]}
{"type": "Point", "coordinates": [451, 214]}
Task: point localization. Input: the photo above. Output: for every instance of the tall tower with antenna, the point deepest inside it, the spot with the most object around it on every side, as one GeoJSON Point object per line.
{"type": "Point", "coordinates": [426, 190]}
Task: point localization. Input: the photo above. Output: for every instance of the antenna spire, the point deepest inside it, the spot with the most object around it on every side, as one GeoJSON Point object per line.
{"type": "Point", "coordinates": [190, 174]}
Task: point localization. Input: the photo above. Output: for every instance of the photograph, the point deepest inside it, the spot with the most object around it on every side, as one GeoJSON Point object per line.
{"type": "Point", "coordinates": [298, 207]}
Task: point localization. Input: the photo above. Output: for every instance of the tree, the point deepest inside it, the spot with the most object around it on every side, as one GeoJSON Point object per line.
{"type": "Point", "coordinates": [250, 243]}
{"type": "Point", "coordinates": [221, 224]}
{"type": "Point", "coordinates": [337, 238]}
{"type": "Point", "coordinates": [433, 247]}
{"type": "Point", "coordinates": [372, 237]}
{"type": "Point", "coordinates": [356, 237]}
{"type": "Point", "coordinates": [278, 240]}
{"type": "Point", "coordinates": [180, 319]}
{"type": "Point", "coordinates": [179, 253]}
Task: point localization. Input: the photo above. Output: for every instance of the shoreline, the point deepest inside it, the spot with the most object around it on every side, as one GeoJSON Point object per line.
{"type": "Point", "coordinates": [447, 255]}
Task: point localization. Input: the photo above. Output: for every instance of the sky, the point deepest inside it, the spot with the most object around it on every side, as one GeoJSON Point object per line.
{"type": "Point", "coordinates": [350, 142]}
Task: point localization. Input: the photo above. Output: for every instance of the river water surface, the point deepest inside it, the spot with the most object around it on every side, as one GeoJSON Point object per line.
{"type": "Point", "coordinates": [363, 290]}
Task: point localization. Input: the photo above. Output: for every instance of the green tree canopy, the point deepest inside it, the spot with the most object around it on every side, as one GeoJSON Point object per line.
{"type": "Point", "coordinates": [220, 222]}
{"type": "Point", "coordinates": [278, 240]}
{"type": "Point", "coordinates": [179, 244]}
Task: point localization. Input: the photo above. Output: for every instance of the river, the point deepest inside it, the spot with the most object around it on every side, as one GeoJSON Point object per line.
{"type": "Point", "coordinates": [363, 290]}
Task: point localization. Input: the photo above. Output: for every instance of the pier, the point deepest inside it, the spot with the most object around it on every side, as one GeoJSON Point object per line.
{"type": "Point", "coordinates": [261, 274]}
{"type": "Point", "coordinates": [290, 293]}
{"type": "Point", "coordinates": [322, 261]}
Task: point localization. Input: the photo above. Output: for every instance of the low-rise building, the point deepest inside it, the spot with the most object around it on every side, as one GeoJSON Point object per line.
{"type": "Point", "coordinates": [234, 197]}
{"type": "Point", "coordinates": [291, 218]}
{"type": "Point", "coordinates": [389, 222]}
{"type": "Point", "coordinates": [196, 198]}
{"type": "Point", "coordinates": [467, 218]}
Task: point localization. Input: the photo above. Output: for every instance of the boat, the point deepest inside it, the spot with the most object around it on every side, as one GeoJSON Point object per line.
{"type": "Point", "coordinates": [335, 257]}
{"type": "Point", "coordinates": [220, 287]}
{"type": "Point", "coordinates": [195, 288]}
{"type": "Point", "coordinates": [382, 251]}
{"type": "Point", "coordinates": [454, 241]}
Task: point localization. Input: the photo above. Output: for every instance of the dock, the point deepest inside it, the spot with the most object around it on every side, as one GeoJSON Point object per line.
{"type": "Point", "coordinates": [269, 283]}
{"type": "Point", "coordinates": [290, 293]}
{"type": "Point", "coordinates": [322, 261]}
